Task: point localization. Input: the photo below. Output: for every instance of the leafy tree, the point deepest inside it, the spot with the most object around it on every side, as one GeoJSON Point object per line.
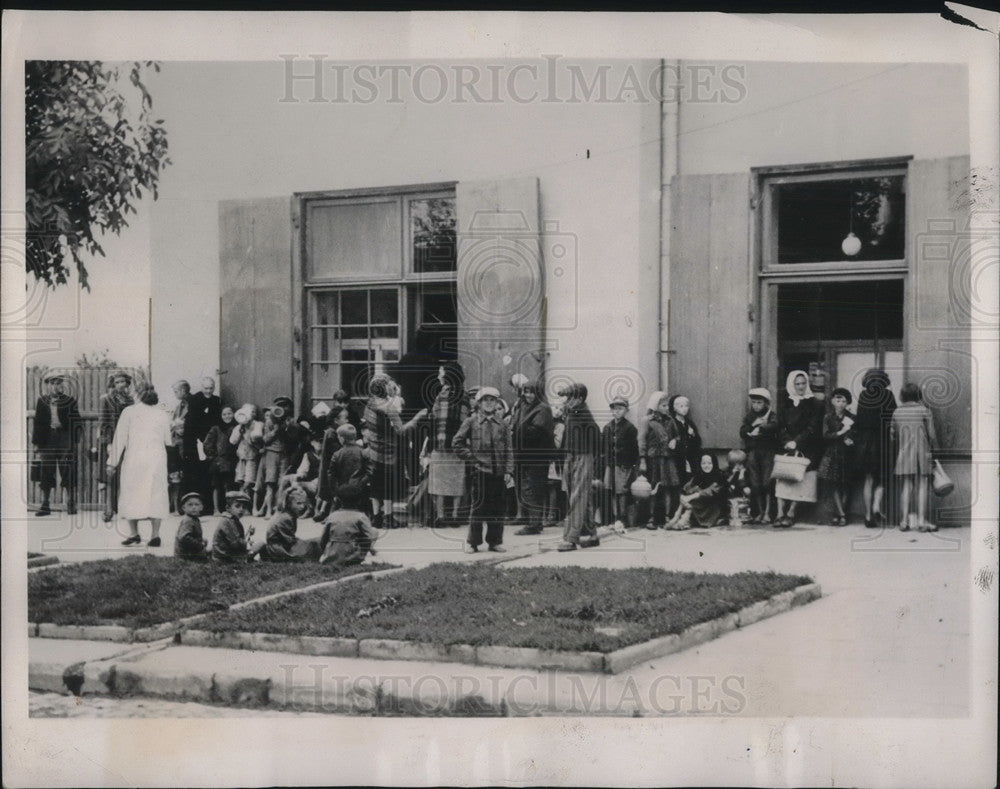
{"type": "Point", "coordinates": [90, 153]}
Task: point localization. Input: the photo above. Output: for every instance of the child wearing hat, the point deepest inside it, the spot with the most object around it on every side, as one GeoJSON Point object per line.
{"type": "Point", "coordinates": [231, 542]}
{"type": "Point", "coordinates": [838, 451]}
{"type": "Point", "coordinates": [189, 543]}
{"type": "Point", "coordinates": [57, 430]}
{"type": "Point", "coordinates": [483, 442]}
{"type": "Point", "coordinates": [619, 456]}
{"type": "Point", "coordinates": [759, 432]}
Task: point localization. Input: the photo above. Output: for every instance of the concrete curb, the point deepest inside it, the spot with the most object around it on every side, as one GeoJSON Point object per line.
{"type": "Point", "coordinates": [506, 656]}
{"type": "Point", "coordinates": [42, 561]}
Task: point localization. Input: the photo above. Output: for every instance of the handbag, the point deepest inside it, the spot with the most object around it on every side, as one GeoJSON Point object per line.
{"type": "Point", "coordinates": [791, 468]}
{"type": "Point", "coordinates": [797, 491]}
{"type": "Point", "coordinates": [941, 481]}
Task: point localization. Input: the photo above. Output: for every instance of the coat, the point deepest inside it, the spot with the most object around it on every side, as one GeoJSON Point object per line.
{"type": "Point", "coordinates": [219, 450]}
{"type": "Point", "coordinates": [484, 443]}
{"type": "Point", "coordinates": [652, 436]}
{"type": "Point", "coordinates": [532, 429]}
{"type": "Point", "coordinates": [229, 543]}
{"type": "Point", "coordinates": [619, 444]}
{"type": "Point", "coordinates": [142, 436]}
{"type": "Point", "coordinates": [203, 413]}
{"type": "Point", "coordinates": [71, 424]}
{"type": "Point", "coordinates": [282, 543]}
{"type": "Point", "coordinates": [803, 424]}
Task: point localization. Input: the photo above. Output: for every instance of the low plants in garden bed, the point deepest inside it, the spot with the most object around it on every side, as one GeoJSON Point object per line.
{"type": "Point", "coordinates": [139, 591]}
{"type": "Point", "coordinates": [565, 608]}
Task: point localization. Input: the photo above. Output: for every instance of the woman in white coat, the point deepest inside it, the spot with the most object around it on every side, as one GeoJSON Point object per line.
{"type": "Point", "coordinates": [142, 437]}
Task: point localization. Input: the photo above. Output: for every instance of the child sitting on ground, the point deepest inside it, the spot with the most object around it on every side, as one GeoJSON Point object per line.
{"type": "Point", "coordinates": [348, 536]}
{"type": "Point", "coordinates": [282, 544]}
{"type": "Point", "coordinates": [231, 543]}
{"type": "Point", "coordinates": [189, 543]}
{"type": "Point", "coordinates": [703, 497]}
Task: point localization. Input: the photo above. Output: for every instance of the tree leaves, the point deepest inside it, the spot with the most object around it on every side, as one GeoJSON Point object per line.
{"type": "Point", "coordinates": [90, 150]}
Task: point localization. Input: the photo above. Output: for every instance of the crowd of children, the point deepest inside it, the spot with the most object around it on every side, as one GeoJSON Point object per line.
{"type": "Point", "coordinates": [540, 466]}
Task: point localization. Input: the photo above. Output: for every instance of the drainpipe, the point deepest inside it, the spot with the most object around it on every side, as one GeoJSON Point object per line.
{"type": "Point", "coordinates": [670, 118]}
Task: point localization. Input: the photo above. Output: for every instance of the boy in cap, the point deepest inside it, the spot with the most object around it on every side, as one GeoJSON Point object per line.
{"type": "Point", "coordinates": [483, 442]}
{"type": "Point", "coordinates": [189, 543]}
{"type": "Point", "coordinates": [56, 431]}
{"type": "Point", "coordinates": [231, 542]}
{"type": "Point", "coordinates": [580, 447]}
{"type": "Point", "coordinates": [759, 432]}
{"type": "Point", "coordinates": [619, 456]}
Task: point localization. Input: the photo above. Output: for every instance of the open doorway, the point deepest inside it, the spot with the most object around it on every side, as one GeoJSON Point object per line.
{"type": "Point", "coordinates": [835, 330]}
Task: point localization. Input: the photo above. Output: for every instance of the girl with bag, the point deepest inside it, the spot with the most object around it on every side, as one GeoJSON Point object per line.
{"type": "Point", "coordinates": [913, 431]}
{"type": "Point", "coordinates": [799, 427]}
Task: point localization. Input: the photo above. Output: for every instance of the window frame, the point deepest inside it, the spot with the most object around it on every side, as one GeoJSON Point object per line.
{"type": "Point", "coordinates": [764, 197]}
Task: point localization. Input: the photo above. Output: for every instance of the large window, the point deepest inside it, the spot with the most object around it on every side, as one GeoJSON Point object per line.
{"type": "Point", "coordinates": [379, 274]}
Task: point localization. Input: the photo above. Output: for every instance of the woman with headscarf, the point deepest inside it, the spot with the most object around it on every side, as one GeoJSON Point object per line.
{"type": "Point", "coordinates": [684, 442]}
{"type": "Point", "coordinates": [703, 497]}
{"type": "Point", "coordinates": [110, 408]}
{"type": "Point", "coordinates": [445, 469]}
{"type": "Point", "coordinates": [876, 404]}
{"type": "Point", "coordinates": [654, 455]}
{"type": "Point", "coordinates": [533, 439]}
{"type": "Point", "coordinates": [800, 428]}
{"type": "Point", "coordinates": [383, 429]}
{"type": "Point", "coordinates": [140, 446]}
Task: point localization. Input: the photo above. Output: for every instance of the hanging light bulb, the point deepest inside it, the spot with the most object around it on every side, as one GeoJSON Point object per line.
{"type": "Point", "coordinates": [851, 245]}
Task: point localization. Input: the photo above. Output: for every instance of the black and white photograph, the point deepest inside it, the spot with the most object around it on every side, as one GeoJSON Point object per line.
{"type": "Point", "coordinates": [466, 398]}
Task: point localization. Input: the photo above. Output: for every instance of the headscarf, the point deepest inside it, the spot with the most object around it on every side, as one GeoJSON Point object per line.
{"type": "Point", "coordinates": [705, 480]}
{"type": "Point", "coordinates": [790, 387]}
{"type": "Point", "coordinates": [653, 404]}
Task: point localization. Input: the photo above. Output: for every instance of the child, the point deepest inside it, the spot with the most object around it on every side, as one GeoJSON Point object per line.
{"type": "Point", "coordinates": [282, 544]}
{"type": "Point", "coordinates": [703, 497]}
{"type": "Point", "coordinates": [620, 454]}
{"type": "Point", "coordinates": [279, 446]}
{"type": "Point", "coordinates": [555, 506]}
{"type": "Point", "coordinates": [248, 438]}
{"type": "Point", "coordinates": [189, 543]}
{"type": "Point", "coordinates": [684, 441]}
{"type": "Point", "coordinates": [306, 476]}
{"type": "Point", "coordinates": [759, 432]}
{"type": "Point", "coordinates": [738, 487]}
{"type": "Point", "coordinates": [231, 542]}
{"type": "Point", "coordinates": [483, 442]}
{"type": "Point", "coordinates": [912, 429]}
{"type": "Point", "coordinates": [654, 451]}
{"type": "Point", "coordinates": [221, 456]}
{"type": "Point", "coordinates": [580, 447]}
{"type": "Point", "coordinates": [349, 464]}
{"type": "Point", "coordinates": [838, 439]}
{"type": "Point", "coordinates": [348, 537]}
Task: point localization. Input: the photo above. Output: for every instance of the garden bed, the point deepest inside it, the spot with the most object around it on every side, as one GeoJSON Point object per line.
{"type": "Point", "coordinates": [139, 591]}
{"type": "Point", "coordinates": [465, 606]}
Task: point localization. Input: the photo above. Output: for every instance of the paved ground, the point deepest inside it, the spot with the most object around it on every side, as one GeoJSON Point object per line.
{"type": "Point", "coordinates": [894, 618]}
{"type": "Point", "coordinates": [57, 705]}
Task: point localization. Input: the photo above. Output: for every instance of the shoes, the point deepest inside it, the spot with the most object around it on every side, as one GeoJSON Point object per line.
{"type": "Point", "coordinates": [590, 542]}
{"type": "Point", "coordinates": [784, 522]}
{"type": "Point", "coordinates": [154, 543]}
{"type": "Point", "coordinates": [135, 539]}
{"type": "Point", "coordinates": [904, 527]}
{"type": "Point", "coordinates": [870, 523]}
{"type": "Point", "coordinates": [838, 521]}
{"type": "Point", "coordinates": [471, 548]}
{"type": "Point", "coordinates": [42, 511]}
{"type": "Point", "coordinates": [529, 530]}
{"type": "Point", "coordinates": [497, 549]}
{"type": "Point", "coordinates": [71, 508]}
{"type": "Point", "coordinates": [566, 546]}
{"type": "Point", "coordinates": [107, 517]}
{"type": "Point", "coordinates": [655, 526]}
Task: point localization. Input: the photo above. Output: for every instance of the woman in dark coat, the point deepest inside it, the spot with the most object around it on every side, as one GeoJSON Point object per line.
{"type": "Point", "coordinates": [445, 469]}
{"type": "Point", "coordinates": [800, 427]}
{"type": "Point", "coordinates": [876, 405]}
{"type": "Point", "coordinates": [533, 441]}
{"type": "Point", "coordinates": [110, 407]}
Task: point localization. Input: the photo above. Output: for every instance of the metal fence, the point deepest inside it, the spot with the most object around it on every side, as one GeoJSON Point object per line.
{"type": "Point", "coordinates": [87, 386]}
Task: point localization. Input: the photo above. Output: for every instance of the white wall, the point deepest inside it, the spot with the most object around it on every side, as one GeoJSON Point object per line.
{"type": "Point", "coordinates": [231, 137]}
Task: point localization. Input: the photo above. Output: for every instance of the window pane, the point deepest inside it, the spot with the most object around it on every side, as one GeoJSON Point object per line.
{"type": "Point", "coordinates": [354, 306]}
{"type": "Point", "coordinates": [385, 306]}
{"type": "Point", "coordinates": [438, 309]}
{"type": "Point", "coordinates": [385, 332]}
{"type": "Point", "coordinates": [354, 239]}
{"type": "Point", "coordinates": [325, 345]}
{"type": "Point", "coordinates": [354, 379]}
{"type": "Point", "coordinates": [432, 229]}
{"type": "Point", "coordinates": [325, 309]}
{"type": "Point", "coordinates": [815, 218]}
{"type": "Point", "coordinates": [355, 332]}
{"type": "Point", "coordinates": [841, 311]}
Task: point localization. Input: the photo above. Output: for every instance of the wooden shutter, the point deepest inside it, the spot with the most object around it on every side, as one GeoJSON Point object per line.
{"type": "Point", "coordinates": [938, 294]}
{"type": "Point", "coordinates": [709, 357]}
{"type": "Point", "coordinates": [500, 291]}
{"type": "Point", "coordinates": [255, 241]}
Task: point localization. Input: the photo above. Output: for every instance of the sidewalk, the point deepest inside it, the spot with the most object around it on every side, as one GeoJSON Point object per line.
{"type": "Point", "coordinates": [889, 638]}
